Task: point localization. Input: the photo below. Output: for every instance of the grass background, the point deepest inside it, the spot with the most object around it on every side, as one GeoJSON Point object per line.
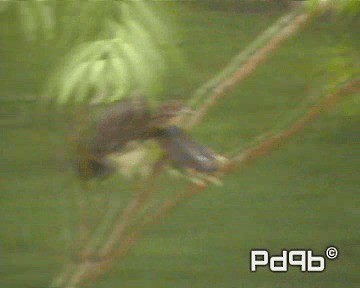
{"type": "Point", "coordinates": [305, 195]}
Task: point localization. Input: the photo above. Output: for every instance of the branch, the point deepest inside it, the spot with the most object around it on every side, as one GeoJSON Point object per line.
{"type": "Point", "coordinates": [91, 257]}
{"type": "Point", "coordinates": [250, 64]}
{"type": "Point", "coordinates": [314, 112]}
{"type": "Point", "coordinates": [260, 150]}
{"type": "Point", "coordinates": [239, 59]}
{"type": "Point", "coordinates": [219, 86]}
{"type": "Point", "coordinates": [265, 147]}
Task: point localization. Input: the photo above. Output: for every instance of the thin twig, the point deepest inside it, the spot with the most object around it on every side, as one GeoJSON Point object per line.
{"type": "Point", "coordinates": [83, 268]}
{"type": "Point", "coordinates": [206, 89]}
{"type": "Point", "coordinates": [250, 155]}
{"type": "Point", "coordinates": [149, 218]}
{"type": "Point", "coordinates": [248, 67]}
{"type": "Point", "coordinates": [245, 157]}
{"type": "Point", "coordinates": [86, 252]}
{"type": "Point", "coordinates": [314, 112]}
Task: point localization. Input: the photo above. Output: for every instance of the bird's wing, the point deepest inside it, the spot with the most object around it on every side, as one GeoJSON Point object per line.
{"type": "Point", "coordinates": [120, 124]}
{"type": "Point", "coordinates": [186, 153]}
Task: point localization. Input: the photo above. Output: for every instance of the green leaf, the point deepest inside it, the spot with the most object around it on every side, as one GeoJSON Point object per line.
{"type": "Point", "coordinates": [129, 54]}
{"type": "Point", "coordinates": [70, 81]}
{"type": "Point", "coordinates": [89, 51]}
{"type": "Point", "coordinates": [97, 78]}
{"type": "Point", "coordinates": [119, 77]}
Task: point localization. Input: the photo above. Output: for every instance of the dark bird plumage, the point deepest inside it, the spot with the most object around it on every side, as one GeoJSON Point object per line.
{"type": "Point", "coordinates": [124, 122]}
{"type": "Point", "coordinates": [186, 153]}
{"type": "Point", "coordinates": [130, 122]}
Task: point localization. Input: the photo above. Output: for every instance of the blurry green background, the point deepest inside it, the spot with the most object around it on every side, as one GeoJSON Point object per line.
{"type": "Point", "coordinates": [305, 195]}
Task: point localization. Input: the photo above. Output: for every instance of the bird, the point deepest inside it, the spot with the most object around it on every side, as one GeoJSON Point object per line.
{"type": "Point", "coordinates": [128, 131]}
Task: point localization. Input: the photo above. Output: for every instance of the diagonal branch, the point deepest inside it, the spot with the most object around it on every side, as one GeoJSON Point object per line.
{"type": "Point", "coordinates": [91, 257]}
{"type": "Point", "coordinates": [249, 65]}
{"type": "Point", "coordinates": [248, 156]}
{"type": "Point", "coordinates": [201, 93]}
{"type": "Point", "coordinates": [220, 86]}
{"type": "Point", "coordinates": [265, 147]}
{"type": "Point", "coordinates": [314, 112]}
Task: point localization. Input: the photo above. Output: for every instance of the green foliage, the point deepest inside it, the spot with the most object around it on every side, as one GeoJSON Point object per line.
{"type": "Point", "coordinates": [109, 47]}
{"type": "Point", "coordinates": [289, 199]}
{"type": "Point", "coordinates": [127, 54]}
{"type": "Point", "coordinates": [344, 64]}
{"type": "Point", "coordinates": [348, 7]}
